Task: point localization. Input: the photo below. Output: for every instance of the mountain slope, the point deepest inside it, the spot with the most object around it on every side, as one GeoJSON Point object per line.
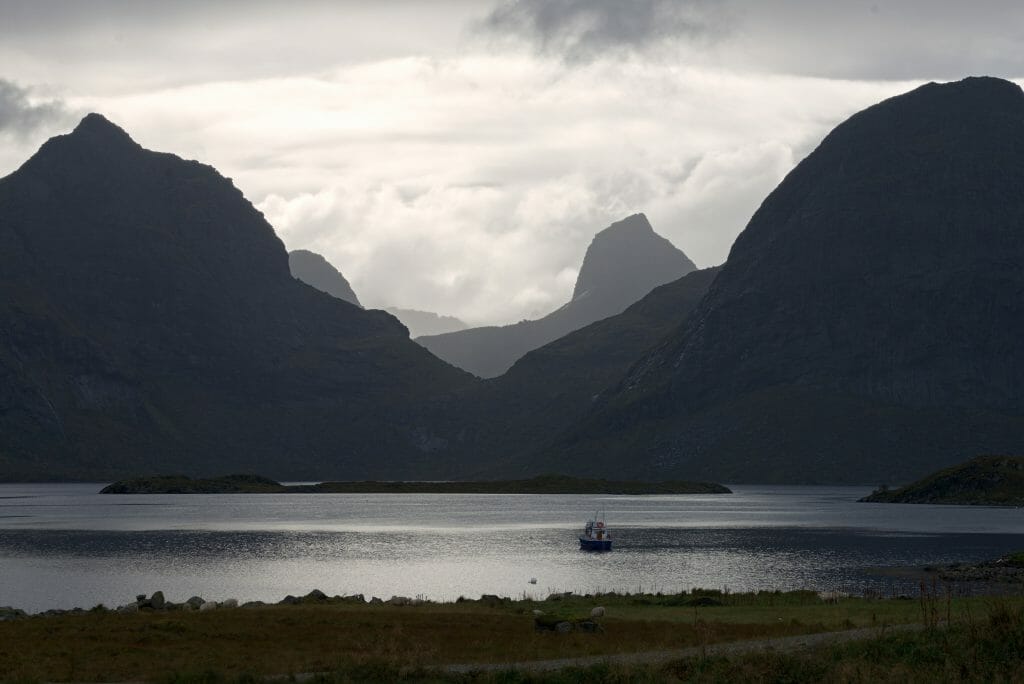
{"type": "Point", "coordinates": [623, 263]}
{"type": "Point", "coordinates": [313, 269]}
{"type": "Point", "coordinates": [508, 418]}
{"type": "Point", "coordinates": [867, 325]}
{"type": "Point", "coordinates": [425, 322]}
{"type": "Point", "coordinates": [982, 481]}
{"type": "Point", "coordinates": [149, 322]}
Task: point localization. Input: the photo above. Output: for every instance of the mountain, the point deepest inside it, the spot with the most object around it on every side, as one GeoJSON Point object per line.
{"type": "Point", "coordinates": [149, 323]}
{"type": "Point", "coordinates": [867, 325]}
{"type": "Point", "coordinates": [502, 422]}
{"type": "Point", "coordinates": [624, 262]}
{"type": "Point", "coordinates": [425, 322]}
{"type": "Point", "coordinates": [315, 270]}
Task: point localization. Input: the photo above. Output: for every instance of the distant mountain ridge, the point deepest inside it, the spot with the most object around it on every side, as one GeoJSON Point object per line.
{"type": "Point", "coordinates": [623, 263]}
{"type": "Point", "coordinates": [149, 322]}
{"type": "Point", "coordinates": [313, 269]}
{"type": "Point", "coordinates": [867, 325]}
{"type": "Point", "coordinates": [422, 323]}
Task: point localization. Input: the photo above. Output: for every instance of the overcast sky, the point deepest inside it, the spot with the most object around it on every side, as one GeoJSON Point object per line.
{"type": "Point", "coordinates": [459, 156]}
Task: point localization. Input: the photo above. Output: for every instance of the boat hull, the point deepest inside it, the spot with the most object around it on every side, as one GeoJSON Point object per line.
{"type": "Point", "coordinates": [595, 544]}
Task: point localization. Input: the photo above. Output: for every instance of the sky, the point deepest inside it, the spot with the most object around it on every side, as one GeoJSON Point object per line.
{"type": "Point", "coordinates": [458, 156]}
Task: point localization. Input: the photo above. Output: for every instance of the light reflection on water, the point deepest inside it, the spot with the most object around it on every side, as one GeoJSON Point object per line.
{"type": "Point", "coordinates": [65, 545]}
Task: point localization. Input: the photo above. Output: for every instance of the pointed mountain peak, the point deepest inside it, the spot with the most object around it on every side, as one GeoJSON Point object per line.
{"type": "Point", "coordinates": [636, 223]}
{"type": "Point", "coordinates": [629, 256]}
{"type": "Point", "coordinates": [97, 128]}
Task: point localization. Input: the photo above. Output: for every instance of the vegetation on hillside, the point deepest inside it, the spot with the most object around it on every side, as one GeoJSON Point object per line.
{"type": "Point", "coordinates": [985, 480]}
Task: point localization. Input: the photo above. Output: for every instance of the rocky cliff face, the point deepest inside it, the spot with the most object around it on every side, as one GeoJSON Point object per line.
{"type": "Point", "coordinates": [149, 322]}
{"type": "Point", "coordinates": [313, 269]}
{"type": "Point", "coordinates": [623, 263]}
{"type": "Point", "coordinates": [867, 324]}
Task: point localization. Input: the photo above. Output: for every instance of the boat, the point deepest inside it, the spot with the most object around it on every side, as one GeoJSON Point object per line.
{"type": "Point", "coordinates": [596, 536]}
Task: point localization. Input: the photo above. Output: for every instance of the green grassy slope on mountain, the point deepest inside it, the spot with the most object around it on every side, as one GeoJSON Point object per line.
{"type": "Point", "coordinates": [985, 480]}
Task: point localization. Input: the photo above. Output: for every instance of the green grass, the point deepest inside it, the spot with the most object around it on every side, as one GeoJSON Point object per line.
{"type": "Point", "coordinates": [360, 642]}
{"type": "Point", "coordinates": [983, 650]}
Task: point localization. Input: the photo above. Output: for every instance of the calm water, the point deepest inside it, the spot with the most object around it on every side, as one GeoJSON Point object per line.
{"type": "Point", "coordinates": [65, 545]}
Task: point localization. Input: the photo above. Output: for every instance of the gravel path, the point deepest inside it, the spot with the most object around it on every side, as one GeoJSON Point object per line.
{"type": "Point", "coordinates": [776, 645]}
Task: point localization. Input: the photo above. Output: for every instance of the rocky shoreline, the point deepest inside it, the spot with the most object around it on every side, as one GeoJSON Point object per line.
{"type": "Point", "coordinates": [1007, 571]}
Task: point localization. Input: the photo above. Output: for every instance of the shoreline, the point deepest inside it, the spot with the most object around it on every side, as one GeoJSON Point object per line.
{"type": "Point", "coordinates": [544, 484]}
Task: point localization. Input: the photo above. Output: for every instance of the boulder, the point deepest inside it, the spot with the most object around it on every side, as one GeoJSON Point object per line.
{"type": "Point", "coordinates": [559, 596]}
{"type": "Point", "coordinates": [597, 612]}
{"type": "Point", "coordinates": [564, 627]}
{"type": "Point", "coordinates": [157, 600]}
{"type": "Point", "coordinates": [229, 603]}
{"type": "Point", "coordinates": [195, 602]}
{"type": "Point", "coordinates": [399, 601]}
{"type": "Point", "coordinates": [315, 596]}
{"type": "Point", "coordinates": [289, 600]}
{"type": "Point", "coordinates": [832, 596]}
{"type": "Point", "coordinates": [8, 613]}
{"type": "Point", "coordinates": [704, 602]}
{"type": "Point", "coordinates": [209, 605]}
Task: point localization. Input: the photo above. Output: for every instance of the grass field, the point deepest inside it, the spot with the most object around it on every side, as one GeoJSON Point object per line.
{"type": "Point", "coordinates": [402, 641]}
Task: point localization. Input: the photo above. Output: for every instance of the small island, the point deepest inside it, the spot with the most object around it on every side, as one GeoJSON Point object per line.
{"type": "Point", "coordinates": [982, 481]}
{"type": "Point", "coordinates": [544, 484]}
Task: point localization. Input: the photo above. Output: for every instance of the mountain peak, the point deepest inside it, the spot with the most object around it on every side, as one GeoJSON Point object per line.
{"type": "Point", "coordinates": [634, 223]}
{"type": "Point", "coordinates": [626, 251]}
{"type": "Point", "coordinates": [97, 128]}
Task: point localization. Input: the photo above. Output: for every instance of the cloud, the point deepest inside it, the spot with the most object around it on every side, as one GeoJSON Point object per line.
{"type": "Point", "coordinates": [21, 115]}
{"type": "Point", "coordinates": [584, 30]}
{"type": "Point", "coordinates": [884, 39]}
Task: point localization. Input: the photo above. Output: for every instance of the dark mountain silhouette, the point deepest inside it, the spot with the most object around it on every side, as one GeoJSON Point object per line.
{"type": "Point", "coordinates": [313, 269]}
{"type": "Point", "coordinates": [624, 262]}
{"type": "Point", "coordinates": [510, 417]}
{"type": "Point", "coordinates": [149, 323]}
{"type": "Point", "coordinates": [425, 322]}
{"type": "Point", "coordinates": [868, 323]}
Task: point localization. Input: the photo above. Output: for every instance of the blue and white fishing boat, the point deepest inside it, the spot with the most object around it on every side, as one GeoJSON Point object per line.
{"type": "Point", "coordinates": [596, 535]}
